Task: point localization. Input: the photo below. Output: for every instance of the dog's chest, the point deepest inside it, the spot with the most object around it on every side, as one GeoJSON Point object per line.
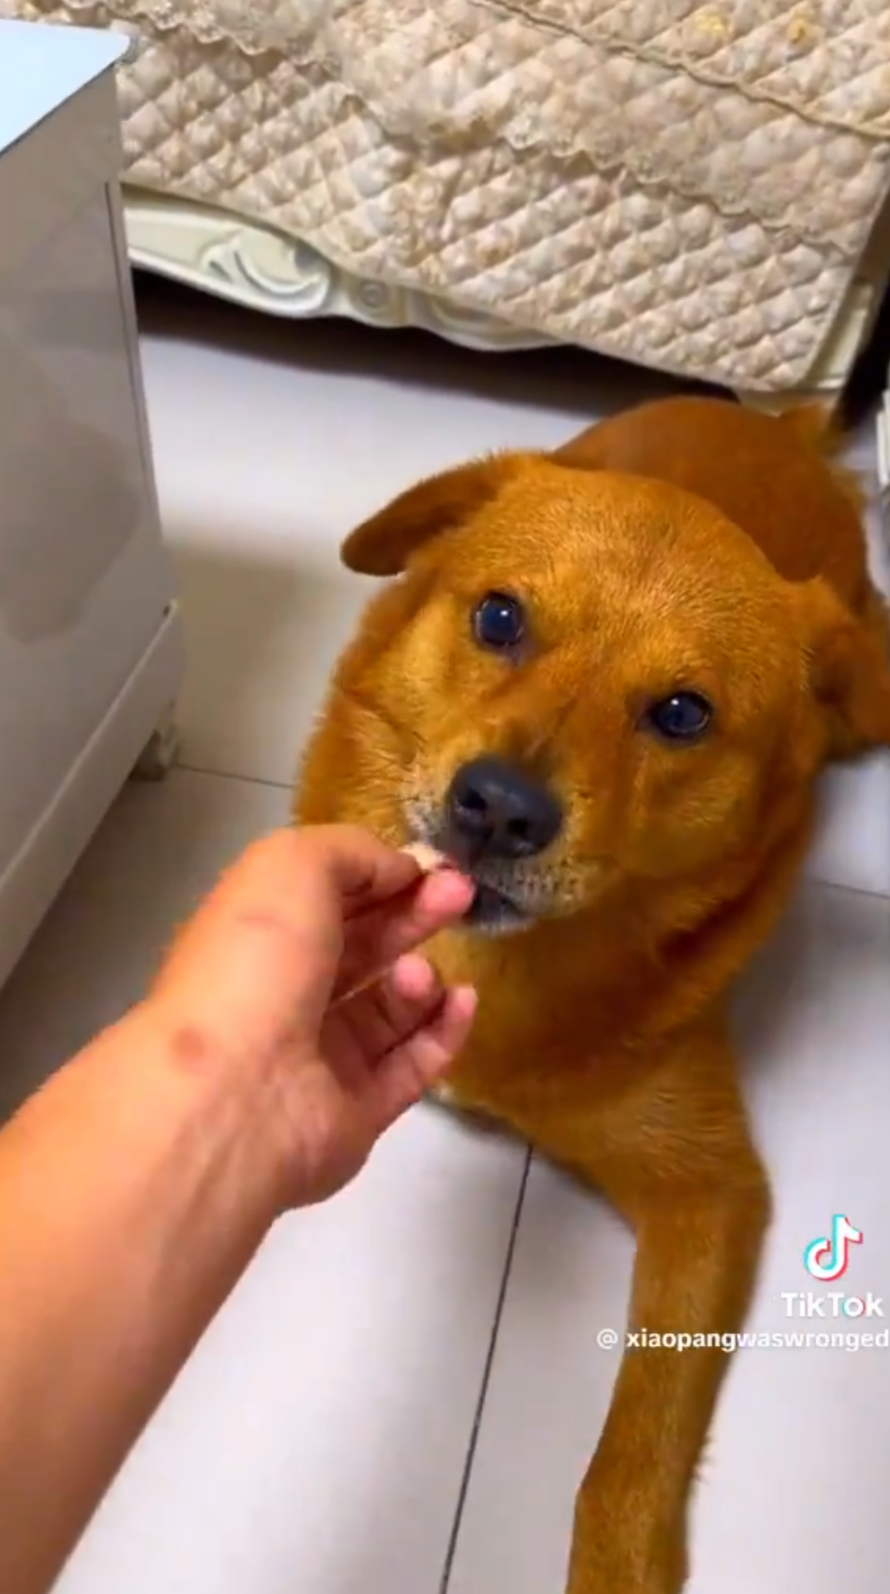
{"type": "Point", "coordinates": [534, 1051]}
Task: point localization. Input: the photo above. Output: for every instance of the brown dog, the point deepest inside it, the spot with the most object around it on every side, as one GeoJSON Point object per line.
{"type": "Point", "coordinates": [605, 682]}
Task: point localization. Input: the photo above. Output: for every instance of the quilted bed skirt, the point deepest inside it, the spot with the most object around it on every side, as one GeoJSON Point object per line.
{"type": "Point", "coordinates": [701, 188]}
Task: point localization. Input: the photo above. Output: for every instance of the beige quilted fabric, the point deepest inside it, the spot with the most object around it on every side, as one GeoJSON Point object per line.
{"type": "Point", "coordinates": [686, 185]}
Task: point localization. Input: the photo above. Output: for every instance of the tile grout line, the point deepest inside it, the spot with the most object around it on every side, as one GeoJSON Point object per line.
{"type": "Point", "coordinates": [847, 891]}
{"type": "Point", "coordinates": [228, 774]}
{"type": "Point", "coordinates": [482, 1397]}
{"type": "Point", "coordinates": [280, 785]}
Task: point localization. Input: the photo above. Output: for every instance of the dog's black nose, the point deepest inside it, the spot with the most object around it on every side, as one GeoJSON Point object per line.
{"type": "Point", "coordinates": [498, 812]}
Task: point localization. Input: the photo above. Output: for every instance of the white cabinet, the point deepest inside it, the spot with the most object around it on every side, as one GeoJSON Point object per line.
{"type": "Point", "coordinates": [90, 646]}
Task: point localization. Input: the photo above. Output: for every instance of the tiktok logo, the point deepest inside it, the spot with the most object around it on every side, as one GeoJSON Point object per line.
{"type": "Point", "coordinates": [829, 1257]}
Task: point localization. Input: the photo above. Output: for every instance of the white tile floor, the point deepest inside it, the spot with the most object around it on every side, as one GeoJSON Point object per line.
{"type": "Point", "coordinates": [319, 1440]}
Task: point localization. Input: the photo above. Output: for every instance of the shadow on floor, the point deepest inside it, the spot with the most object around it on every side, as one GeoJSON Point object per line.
{"type": "Point", "coordinates": [566, 378]}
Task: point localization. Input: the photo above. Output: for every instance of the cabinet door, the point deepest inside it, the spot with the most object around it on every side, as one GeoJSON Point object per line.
{"type": "Point", "coordinates": [84, 582]}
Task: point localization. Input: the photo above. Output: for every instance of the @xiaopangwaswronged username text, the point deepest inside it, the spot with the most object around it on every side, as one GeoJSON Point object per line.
{"type": "Point", "coordinates": [849, 1340]}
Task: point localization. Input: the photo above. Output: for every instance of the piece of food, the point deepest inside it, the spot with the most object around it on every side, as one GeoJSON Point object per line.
{"type": "Point", "coordinates": [426, 858]}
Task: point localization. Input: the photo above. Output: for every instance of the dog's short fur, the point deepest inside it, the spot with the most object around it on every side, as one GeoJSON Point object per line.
{"type": "Point", "coordinates": [686, 545]}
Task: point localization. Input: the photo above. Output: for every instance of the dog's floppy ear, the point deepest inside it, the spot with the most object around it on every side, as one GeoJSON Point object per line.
{"type": "Point", "coordinates": [849, 664]}
{"type": "Point", "coordinates": [383, 545]}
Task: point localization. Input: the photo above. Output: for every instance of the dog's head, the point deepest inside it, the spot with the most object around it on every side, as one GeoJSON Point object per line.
{"type": "Point", "coordinates": [582, 679]}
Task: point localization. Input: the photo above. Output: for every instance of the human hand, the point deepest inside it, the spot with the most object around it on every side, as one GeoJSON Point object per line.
{"type": "Point", "coordinates": [271, 978]}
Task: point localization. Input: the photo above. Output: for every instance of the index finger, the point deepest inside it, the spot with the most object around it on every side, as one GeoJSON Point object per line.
{"type": "Point", "coordinates": [304, 870]}
{"type": "Point", "coordinates": [305, 884]}
{"type": "Point", "coordinates": [361, 869]}
{"type": "Point", "coordinates": [368, 874]}
{"type": "Point", "coordinates": [293, 889]}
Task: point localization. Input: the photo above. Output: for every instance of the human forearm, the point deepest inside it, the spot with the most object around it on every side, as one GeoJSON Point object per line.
{"type": "Point", "coordinates": [137, 1186]}
{"type": "Point", "coordinates": [131, 1200]}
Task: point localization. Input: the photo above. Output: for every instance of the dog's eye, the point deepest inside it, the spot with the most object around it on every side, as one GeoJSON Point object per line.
{"type": "Point", "coordinates": [679, 718]}
{"type": "Point", "coordinates": [498, 621]}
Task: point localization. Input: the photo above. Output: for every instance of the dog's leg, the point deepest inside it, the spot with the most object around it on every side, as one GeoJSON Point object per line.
{"type": "Point", "coordinates": [681, 1166]}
